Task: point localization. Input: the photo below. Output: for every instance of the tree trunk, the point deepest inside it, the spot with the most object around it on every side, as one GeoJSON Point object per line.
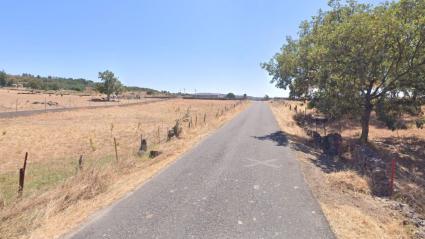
{"type": "Point", "coordinates": [365, 122]}
{"type": "Point", "coordinates": [108, 97]}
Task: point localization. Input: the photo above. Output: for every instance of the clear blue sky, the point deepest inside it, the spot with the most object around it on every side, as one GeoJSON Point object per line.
{"type": "Point", "coordinates": [209, 45]}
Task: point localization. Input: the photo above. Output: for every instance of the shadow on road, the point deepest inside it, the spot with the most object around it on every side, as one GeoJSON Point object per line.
{"type": "Point", "coordinates": [279, 137]}
{"type": "Point", "coordinates": [326, 163]}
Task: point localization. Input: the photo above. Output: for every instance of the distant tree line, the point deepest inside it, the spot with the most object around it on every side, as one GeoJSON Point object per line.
{"type": "Point", "coordinates": [44, 83]}
{"type": "Point", "coordinates": [148, 91]}
{"type": "Point", "coordinates": [38, 82]}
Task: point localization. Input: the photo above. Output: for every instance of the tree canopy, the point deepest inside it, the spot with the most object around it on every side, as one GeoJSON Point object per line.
{"type": "Point", "coordinates": [3, 81]}
{"type": "Point", "coordinates": [110, 84]}
{"type": "Point", "coordinates": [230, 96]}
{"type": "Point", "coordinates": [44, 83]}
{"type": "Point", "coordinates": [354, 57]}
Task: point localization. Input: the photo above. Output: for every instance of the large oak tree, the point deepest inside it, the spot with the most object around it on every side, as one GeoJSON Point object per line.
{"type": "Point", "coordinates": [354, 57]}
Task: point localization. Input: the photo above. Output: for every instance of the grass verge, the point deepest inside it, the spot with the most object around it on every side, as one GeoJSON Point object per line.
{"type": "Point", "coordinates": [344, 195]}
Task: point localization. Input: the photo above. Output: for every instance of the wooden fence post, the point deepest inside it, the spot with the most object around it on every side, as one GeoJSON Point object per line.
{"type": "Point", "coordinates": [80, 163]}
{"type": "Point", "coordinates": [324, 127]}
{"type": "Point", "coordinates": [116, 150]}
{"type": "Point", "coordinates": [205, 117]}
{"type": "Point", "coordinates": [22, 176]}
{"type": "Point", "coordinates": [159, 135]}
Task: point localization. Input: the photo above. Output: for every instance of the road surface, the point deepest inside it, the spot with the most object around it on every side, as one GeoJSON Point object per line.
{"type": "Point", "coordinates": [13, 114]}
{"type": "Point", "coordinates": [241, 182]}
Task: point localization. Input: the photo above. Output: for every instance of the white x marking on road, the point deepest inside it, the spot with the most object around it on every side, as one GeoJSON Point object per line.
{"type": "Point", "coordinates": [267, 163]}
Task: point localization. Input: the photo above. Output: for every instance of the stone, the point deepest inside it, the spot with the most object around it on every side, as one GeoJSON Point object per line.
{"type": "Point", "coordinates": [154, 154]}
{"type": "Point", "coordinates": [380, 183]}
{"type": "Point", "coordinates": [370, 163]}
{"type": "Point", "coordinates": [331, 144]}
{"type": "Point", "coordinates": [317, 139]}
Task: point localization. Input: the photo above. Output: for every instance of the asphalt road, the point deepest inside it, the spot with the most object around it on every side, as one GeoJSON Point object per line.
{"type": "Point", "coordinates": [241, 182]}
{"type": "Point", "coordinates": [13, 114]}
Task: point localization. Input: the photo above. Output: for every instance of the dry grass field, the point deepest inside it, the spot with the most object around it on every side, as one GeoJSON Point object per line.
{"type": "Point", "coordinates": [22, 100]}
{"type": "Point", "coordinates": [57, 196]}
{"type": "Point", "coordinates": [344, 195]}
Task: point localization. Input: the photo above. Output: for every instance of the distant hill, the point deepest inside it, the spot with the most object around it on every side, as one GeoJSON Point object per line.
{"type": "Point", "coordinates": [149, 91]}
{"type": "Point", "coordinates": [38, 82]}
{"type": "Point", "coordinates": [46, 83]}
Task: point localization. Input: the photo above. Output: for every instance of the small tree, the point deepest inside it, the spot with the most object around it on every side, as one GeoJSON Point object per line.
{"type": "Point", "coordinates": [266, 97]}
{"type": "Point", "coordinates": [230, 96]}
{"type": "Point", "coordinates": [110, 84]}
{"type": "Point", "coordinates": [3, 81]}
{"type": "Point", "coordinates": [245, 96]}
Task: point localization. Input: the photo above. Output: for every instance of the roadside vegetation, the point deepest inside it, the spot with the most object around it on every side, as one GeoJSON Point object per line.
{"type": "Point", "coordinates": [355, 59]}
{"type": "Point", "coordinates": [344, 193]}
{"type": "Point", "coordinates": [356, 75]}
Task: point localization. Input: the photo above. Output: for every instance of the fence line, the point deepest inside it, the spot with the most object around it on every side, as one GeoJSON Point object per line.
{"type": "Point", "coordinates": [149, 136]}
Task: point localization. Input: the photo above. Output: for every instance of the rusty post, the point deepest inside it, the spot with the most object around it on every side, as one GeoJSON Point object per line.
{"type": "Point", "coordinates": [116, 150]}
{"type": "Point", "coordinates": [205, 117]}
{"type": "Point", "coordinates": [22, 176]}
{"type": "Point", "coordinates": [196, 120]}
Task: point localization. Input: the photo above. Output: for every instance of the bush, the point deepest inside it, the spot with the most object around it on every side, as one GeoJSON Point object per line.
{"type": "Point", "coordinates": [420, 123]}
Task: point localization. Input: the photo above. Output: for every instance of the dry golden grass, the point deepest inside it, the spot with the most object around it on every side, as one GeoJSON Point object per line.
{"type": "Point", "coordinates": [68, 197]}
{"type": "Point", "coordinates": [57, 136]}
{"type": "Point", "coordinates": [406, 146]}
{"type": "Point", "coordinates": [13, 99]}
{"type": "Point", "coordinates": [348, 180]}
{"type": "Point", "coordinates": [343, 195]}
{"type": "Point", "coordinates": [353, 223]}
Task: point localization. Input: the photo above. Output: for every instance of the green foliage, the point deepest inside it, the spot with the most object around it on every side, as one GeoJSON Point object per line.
{"type": "Point", "coordinates": [2, 78]}
{"type": "Point", "coordinates": [46, 83]}
{"type": "Point", "coordinates": [354, 56]}
{"type": "Point", "coordinates": [110, 84]}
{"type": "Point", "coordinates": [150, 92]}
{"type": "Point", "coordinates": [390, 112]}
{"type": "Point", "coordinates": [135, 88]}
{"type": "Point", "coordinates": [266, 97]}
{"type": "Point", "coordinates": [34, 84]}
{"type": "Point", "coordinates": [230, 96]}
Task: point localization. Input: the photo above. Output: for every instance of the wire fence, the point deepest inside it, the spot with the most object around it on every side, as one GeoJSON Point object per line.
{"type": "Point", "coordinates": [114, 145]}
